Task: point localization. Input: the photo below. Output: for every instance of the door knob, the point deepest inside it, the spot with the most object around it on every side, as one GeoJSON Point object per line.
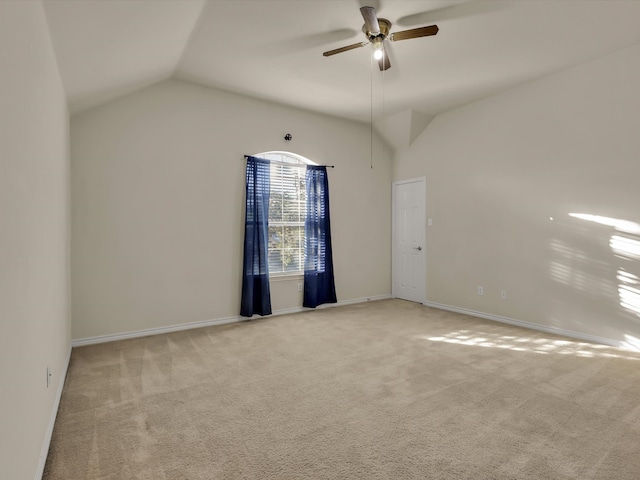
{"type": "Point", "coordinates": [417, 248]}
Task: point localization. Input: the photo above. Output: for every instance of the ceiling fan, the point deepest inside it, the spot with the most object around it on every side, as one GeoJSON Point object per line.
{"type": "Point", "coordinates": [377, 31]}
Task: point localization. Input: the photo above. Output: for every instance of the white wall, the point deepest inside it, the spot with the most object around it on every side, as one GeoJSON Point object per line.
{"type": "Point", "coordinates": [157, 193]}
{"type": "Point", "coordinates": [34, 237]}
{"type": "Point", "coordinates": [498, 169]}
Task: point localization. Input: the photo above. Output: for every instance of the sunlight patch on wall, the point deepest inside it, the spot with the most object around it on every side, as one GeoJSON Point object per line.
{"type": "Point", "coordinates": [625, 246]}
{"type": "Point", "coordinates": [621, 225]}
{"type": "Point", "coordinates": [560, 273]}
{"type": "Point", "coordinates": [571, 268]}
{"type": "Point", "coordinates": [628, 278]}
{"type": "Point", "coordinates": [630, 298]}
{"type": "Point", "coordinates": [629, 291]}
{"type": "Point", "coordinates": [579, 279]}
{"type": "Point", "coordinates": [632, 343]}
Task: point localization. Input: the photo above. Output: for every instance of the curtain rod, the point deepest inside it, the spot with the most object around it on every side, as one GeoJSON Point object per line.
{"type": "Point", "coordinates": [290, 164]}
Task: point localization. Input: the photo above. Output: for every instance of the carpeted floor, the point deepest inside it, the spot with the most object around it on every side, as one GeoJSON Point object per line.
{"type": "Point", "coordinates": [381, 390]}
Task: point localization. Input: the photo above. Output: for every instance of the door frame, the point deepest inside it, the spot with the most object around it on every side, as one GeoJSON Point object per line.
{"type": "Point", "coordinates": [422, 227]}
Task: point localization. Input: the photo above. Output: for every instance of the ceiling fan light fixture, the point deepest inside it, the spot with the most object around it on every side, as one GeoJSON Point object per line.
{"type": "Point", "coordinates": [378, 48]}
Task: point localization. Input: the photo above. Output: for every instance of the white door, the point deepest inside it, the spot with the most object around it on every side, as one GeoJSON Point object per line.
{"type": "Point", "coordinates": [409, 255]}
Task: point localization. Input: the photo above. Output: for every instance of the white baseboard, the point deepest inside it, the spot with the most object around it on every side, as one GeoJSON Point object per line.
{"type": "Point", "coordinates": [375, 298]}
{"type": "Point", "coordinates": [52, 419]}
{"type": "Point", "coordinates": [533, 326]}
{"type": "Point", "coordinates": [207, 323]}
{"type": "Point", "coordinates": [153, 331]}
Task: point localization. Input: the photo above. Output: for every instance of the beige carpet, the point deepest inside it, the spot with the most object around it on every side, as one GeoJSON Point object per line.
{"type": "Point", "coordinates": [382, 390]}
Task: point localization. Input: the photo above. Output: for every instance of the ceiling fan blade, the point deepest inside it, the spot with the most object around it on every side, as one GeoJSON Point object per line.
{"type": "Point", "coordinates": [384, 62]}
{"type": "Point", "coordinates": [370, 20]}
{"type": "Point", "coordinates": [451, 12]}
{"type": "Point", "coordinates": [414, 33]}
{"type": "Point", "coordinates": [344, 49]}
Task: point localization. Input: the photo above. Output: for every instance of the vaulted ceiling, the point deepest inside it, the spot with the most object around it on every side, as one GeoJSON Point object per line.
{"type": "Point", "coordinates": [272, 49]}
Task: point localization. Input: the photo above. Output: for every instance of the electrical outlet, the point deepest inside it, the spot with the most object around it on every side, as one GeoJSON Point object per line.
{"type": "Point", "coordinates": [48, 376]}
{"type": "Point", "coordinates": [503, 294]}
{"type": "Point", "coordinates": [480, 291]}
{"type": "Point", "coordinates": [300, 287]}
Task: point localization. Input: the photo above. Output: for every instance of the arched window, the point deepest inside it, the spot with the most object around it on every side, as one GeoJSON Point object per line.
{"type": "Point", "coordinates": [287, 210]}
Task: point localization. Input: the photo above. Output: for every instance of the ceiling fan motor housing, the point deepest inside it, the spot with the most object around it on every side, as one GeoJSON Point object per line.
{"type": "Point", "coordinates": [383, 24]}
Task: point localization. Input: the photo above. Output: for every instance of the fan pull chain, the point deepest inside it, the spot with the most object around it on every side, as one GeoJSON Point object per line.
{"type": "Point", "coordinates": [371, 118]}
{"type": "Point", "coordinates": [384, 54]}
